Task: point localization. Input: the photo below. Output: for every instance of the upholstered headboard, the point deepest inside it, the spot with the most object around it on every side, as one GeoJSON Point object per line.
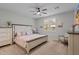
{"type": "Point", "coordinates": [21, 28]}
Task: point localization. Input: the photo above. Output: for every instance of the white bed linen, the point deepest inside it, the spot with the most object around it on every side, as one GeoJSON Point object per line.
{"type": "Point", "coordinates": [29, 37]}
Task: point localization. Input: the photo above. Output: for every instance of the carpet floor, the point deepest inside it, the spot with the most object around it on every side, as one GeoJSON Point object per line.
{"type": "Point", "coordinates": [48, 48]}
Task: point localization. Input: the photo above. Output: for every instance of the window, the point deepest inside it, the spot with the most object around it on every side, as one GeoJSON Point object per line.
{"type": "Point", "coordinates": [50, 24]}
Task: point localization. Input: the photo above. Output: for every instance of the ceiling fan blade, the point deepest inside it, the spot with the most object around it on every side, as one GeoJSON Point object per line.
{"type": "Point", "coordinates": [34, 14]}
{"type": "Point", "coordinates": [44, 9]}
{"type": "Point", "coordinates": [44, 13]}
{"type": "Point", "coordinates": [32, 11]}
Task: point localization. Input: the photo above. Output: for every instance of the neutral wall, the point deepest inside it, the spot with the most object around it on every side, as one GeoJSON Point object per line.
{"type": "Point", "coordinates": [14, 18]}
{"type": "Point", "coordinates": [67, 18]}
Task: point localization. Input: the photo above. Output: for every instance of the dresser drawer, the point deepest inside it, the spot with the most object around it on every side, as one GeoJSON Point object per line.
{"type": "Point", "coordinates": [4, 38]}
{"type": "Point", "coordinates": [5, 42]}
{"type": "Point", "coordinates": [5, 30]}
{"type": "Point", "coordinates": [5, 35]}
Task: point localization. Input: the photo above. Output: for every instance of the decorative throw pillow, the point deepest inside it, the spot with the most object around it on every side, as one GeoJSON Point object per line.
{"type": "Point", "coordinates": [29, 32]}
{"type": "Point", "coordinates": [34, 31]}
{"type": "Point", "coordinates": [25, 33]}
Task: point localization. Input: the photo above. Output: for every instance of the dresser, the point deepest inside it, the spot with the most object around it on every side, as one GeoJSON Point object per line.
{"type": "Point", "coordinates": [5, 36]}
{"type": "Point", "coordinates": [73, 43]}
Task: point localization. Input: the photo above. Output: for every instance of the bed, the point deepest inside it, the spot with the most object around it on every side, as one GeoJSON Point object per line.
{"type": "Point", "coordinates": [27, 41]}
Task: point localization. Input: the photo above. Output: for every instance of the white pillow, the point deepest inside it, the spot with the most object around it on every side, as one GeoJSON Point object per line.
{"type": "Point", "coordinates": [29, 32]}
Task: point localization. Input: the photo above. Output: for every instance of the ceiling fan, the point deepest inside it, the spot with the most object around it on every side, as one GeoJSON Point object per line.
{"type": "Point", "coordinates": [39, 11]}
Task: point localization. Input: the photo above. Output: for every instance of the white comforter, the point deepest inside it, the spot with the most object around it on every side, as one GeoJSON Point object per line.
{"type": "Point", "coordinates": [29, 37]}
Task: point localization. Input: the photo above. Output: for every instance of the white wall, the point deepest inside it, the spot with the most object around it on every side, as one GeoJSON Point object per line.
{"type": "Point", "coordinates": [67, 18]}
{"type": "Point", "coordinates": [14, 18]}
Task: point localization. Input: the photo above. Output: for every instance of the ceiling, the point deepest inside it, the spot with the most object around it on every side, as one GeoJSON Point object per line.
{"type": "Point", "coordinates": [26, 8]}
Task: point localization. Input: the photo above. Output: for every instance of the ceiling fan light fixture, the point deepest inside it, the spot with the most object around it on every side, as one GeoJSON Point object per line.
{"type": "Point", "coordinates": [38, 13]}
